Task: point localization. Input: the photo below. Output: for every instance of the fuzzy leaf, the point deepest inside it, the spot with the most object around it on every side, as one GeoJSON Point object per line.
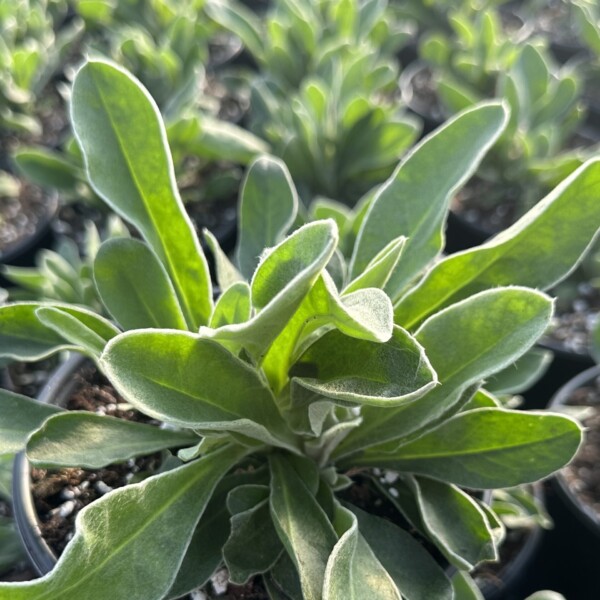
{"type": "Point", "coordinates": [302, 526]}
{"type": "Point", "coordinates": [123, 139]}
{"type": "Point", "coordinates": [21, 416]}
{"type": "Point", "coordinates": [415, 199]}
{"type": "Point", "coordinates": [93, 441]}
{"type": "Point", "coordinates": [227, 274]}
{"type": "Point", "coordinates": [268, 207]}
{"type": "Point", "coordinates": [522, 374]}
{"type": "Point", "coordinates": [488, 332]}
{"type": "Point", "coordinates": [455, 522]}
{"type": "Point", "coordinates": [280, 283]}
{"type": "Point", "coordinates": [561, 226]}
{"type": "Point", "coordinates": [147, 534]}
{"type": "Point", "coordinates": [365, 372]}
{"type": "Point", "coordinates": [24, 337]}
{"type": "Point", "coordinates": [487, 448]}
{"type": "Point", "coordinates": [353, 571]}
{"type": "Point", "coordinates": [412, 568]}
{"type": "Point", "coordinates": [192, 382]}
{"type": "Point", "coordinates": [134, 286]}
{"type": "Point", "coordinates": [233, 306]}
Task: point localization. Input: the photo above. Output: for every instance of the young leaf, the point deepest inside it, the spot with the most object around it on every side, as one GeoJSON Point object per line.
{"type": "Point", "coordinates": [227, 274]}
{"type": "Point", "coordinates": [93, 441]}
{"type": "Point", "coordinates": [268, 207]}
{"type": "Point", "coordinates": [252, 528]}
{"type": "Point", "coordinates": [280, 283]}
{"type": "Point", "coordinates": [523, 446]}
{"type": "Point", "coordinates": [73, 330]}
{"type": "Point", "coordinates": [489, 331]}
{"type": "Point", "coordinates": [24, 337]}
{"type": "Point", "coordinates": [465, 588]}
{"type": "Point", "coordinates": [403, 558]}
{"type": "Point", "coordinates": [302, 526]}
{"type": "Point", "coordinates": [20, 417]}
{"type": "Point", "coordinates": [47, 168]}
{"type": "Point", "coordinates": [233, 306]}
{"type": "Point", "coordinates": [192, 382]}
{"type": "Point", "coordinates": [120, 131]}
{"type": "Point", "coordinates": [562, 225]}
{"type": "Point", "coordinates": [353, 571]}
{"type": "Point", "coordinates": [414, 200]}
{"type": "Point", "coordinates": [455, 522]}
{"type": "Point", "coordinates": [365, 372]}
{"type": "Point", "coordinates": [134, 286]}
{"type": "Point", "coordinates": [522, 374]}
{"type": "Point", "coordinates": [380, 269]}
{"type": "Point", "coordinates": [148, 532]}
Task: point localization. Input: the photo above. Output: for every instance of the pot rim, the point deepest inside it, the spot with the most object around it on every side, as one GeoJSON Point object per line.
{"type": "Point", "coordinates": [41, 555]}
{"type": "Point", "coordinates": [26, 244]}
{"type": "Point", "coordinates": [582, 510]}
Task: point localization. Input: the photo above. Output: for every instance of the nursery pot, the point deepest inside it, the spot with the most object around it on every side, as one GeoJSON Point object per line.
{"type": "Point", "coordinates": [22, 251]}
{"type": "Point", "coordinates": [56, 391]}
{"type": "Point", "coordinates": [579, 508]}
{"type": "Point", "coordinates": [417, 93]}
{"type": "Point", "coordinates": [510, 582]}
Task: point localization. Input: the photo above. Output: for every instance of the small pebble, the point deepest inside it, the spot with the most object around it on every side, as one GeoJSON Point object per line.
{"type": "Point", "coordinates": [220, 581]}
{"type": "Point", "coordinates": [67, 494]}
{"type": "Point", "coordinates": [198, 595]}
{"type": "Point", "coordinates": [64, 510]}
{"type": "Point", "coordinates": [390, 476]}
{"type": "Point", "coordinates": [102, 488]}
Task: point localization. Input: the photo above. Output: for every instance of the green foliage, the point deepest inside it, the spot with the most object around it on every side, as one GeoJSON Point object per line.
{"type": "Point", "coordinates": [324, 96]}
{"type": "Point", "coordinates": [478, 60]}
{"type": "Point", "coordinates": [32, 50]}
{"type": "Point", "coordinates": [300, 378]}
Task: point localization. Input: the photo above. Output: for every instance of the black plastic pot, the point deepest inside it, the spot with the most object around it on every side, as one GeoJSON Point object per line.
{"type": "Point", "coordinates": [586, 515]}
{"type": "Point", "coordinates": [564, 367]}
{"type": "Point", "coordinates": [23, 252]}
{"type": "Point", "coordinates": [431, 115]}
{"type": "Point", "coordinates": [513, 576]}
{"type": "Point", "coordinates": [56, 391]}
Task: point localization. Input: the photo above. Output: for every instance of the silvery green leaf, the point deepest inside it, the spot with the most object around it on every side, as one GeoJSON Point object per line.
{"type": "Point", "coordinates": [454, 522]}
{"type": "Point", "coordinates": [465, 588]}
{"type": "Point", "coordinates": [252, 528]}
{"type": "Point", "coordinates": [303, 527]}
{"type": "Point", "coordinates": [123, 139]}
{"type": "Point", "coordinates": [353, 571]}
{"type": "Point", "coordinates": [562, 225]}
{"type": "Point", "coordinates": [521, 375]}
{"type": "Point", "coordinates": [135, 287]}
{"type": "Point", "coordinates": [381, 267]}
{"type": "Point", "coordinates": [268, 207]}
{"type": "Point", "coordinates": [148, 532]}
{"type": "Point", "coordinates": [364, 314]}
{"type": "Point", "coordinates": [74, 331]}
{"type": "Point", "coordinates": [24, 337]}
{"type": "Point", "coordinates": [364, 372]}
{"type": "Point", "coordinates": [489, 331]}
{"type": "Point", "coordinates": [192, 382]}
{"type": "Point", "coordinates": [414, 200]}
{"type": "Point", "coordinates": [21, 416]}
{"type": "Point", "coordinates": [413, 570]}
{"type": "Point", "coordinates": [233, 306]}
{"type": "Point", "coordinates": [280, 283]}
{"type": "Point", "coordinates": [93, 441]}
{"type": "Point", "coordinates": [523, 446]}
{"type": "Point", "coordinates": [227, 274]}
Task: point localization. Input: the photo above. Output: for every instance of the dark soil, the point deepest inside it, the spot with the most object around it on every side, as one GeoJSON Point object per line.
{"type": "Point", "coordinates": [476, 204]}
{"type": "Point", "coordinates": [574, 318]}
{"type": "Point", "coordinates": [21, 217]}
{"type": "Point", "coordinates": [28, 378]}
{"type": "Point", "coordinates": [583, 473]}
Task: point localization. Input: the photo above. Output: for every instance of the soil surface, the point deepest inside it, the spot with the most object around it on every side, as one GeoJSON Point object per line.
{"type": "Point", "coordinates": [583, 473]}
{"type": "Point", "coordinates": [574, 318]}
{"type": "Point", "coordinates": [22, 216]}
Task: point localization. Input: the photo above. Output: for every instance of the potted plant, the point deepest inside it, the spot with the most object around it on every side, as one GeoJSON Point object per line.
{"type": "Point", "coordinates": [325, 97]}
{"type": "Point", "coordinates": [285, 395]}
